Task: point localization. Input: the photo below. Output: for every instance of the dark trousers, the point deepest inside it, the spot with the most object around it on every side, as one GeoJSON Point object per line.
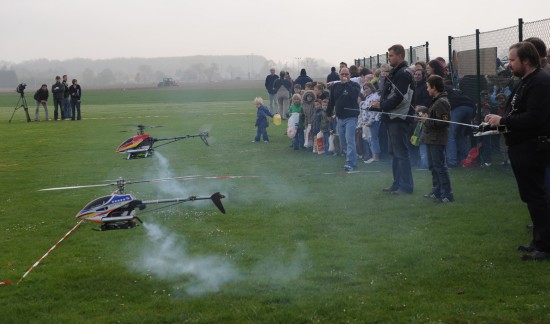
{"type": "Point", "coordinates": [58, 103]}
{"type": "Point", "coordinates": [261, 132]}
{"type": "Point", "coordinates": [441, 182]}
{"type": "Point", "coordinates": [399, 135]}
{"type": "Point", "coordinates": [529, 166]}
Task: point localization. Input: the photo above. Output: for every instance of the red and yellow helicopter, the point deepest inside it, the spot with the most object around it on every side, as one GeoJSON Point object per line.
{"type": "Point", "coordinates": [141, 144]}
{"type": "Point", "coordinates": [118, 210]}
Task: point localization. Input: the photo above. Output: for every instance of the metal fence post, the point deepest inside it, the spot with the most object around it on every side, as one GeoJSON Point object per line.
{"type": "Point", "coordinates": [478, 70]}
{"type": "Point", "coordinates": [520, 29]}
{"type": "Point", "coordinates": [427, 52]}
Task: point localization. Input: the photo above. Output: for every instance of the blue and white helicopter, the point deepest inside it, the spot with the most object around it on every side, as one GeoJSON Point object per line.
{"type": "Point", "coordinates": [118, 210]}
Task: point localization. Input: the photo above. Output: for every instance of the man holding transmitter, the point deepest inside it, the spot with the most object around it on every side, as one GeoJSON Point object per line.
{"type": "Point", "coordinates": [526, 123]}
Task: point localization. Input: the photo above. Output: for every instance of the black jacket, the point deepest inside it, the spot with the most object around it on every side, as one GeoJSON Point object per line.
{"type": "Point", "coordinates": [75, 91]}
{"type": "Point", "coordinates": [302, 80]}
{"type": "Point", "coordinates": [343, 100]}
{"type": "Point", "coordinates": [397, 93]}
{"type": "Point", "coordinates": [528, 109]}
{"type": "Point", "coordinates": [58, 89]}
{"type": "Point", "coordinates": [333, 76]}
{"type": "Point", "coordinates": [269, 82]}
{"type": "Point", "coordinates": [66, 92]}
{"type": "Point", "coordinates": [281, 82]}
{"type": "Point", "coordinates": [40, 95]}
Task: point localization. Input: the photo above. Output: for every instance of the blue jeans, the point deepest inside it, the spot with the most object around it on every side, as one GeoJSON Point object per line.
{"type": "Point", "coordinates": [75, 107]}
{"type": "Point", "coordinates": [441, 182]}
{"type": "Point", "coordinates": [298, 140]}
{"type": "Point", "coordinates": [457, 150]}
{"type": "Point", "coordinates": [399, 135]}
{"type": "Point", "coordinates": [374, 141]}
{"type": "Point", "coordinates": [261, 132]}
{"type": "Point", "coordinates": [67, 108]}
{"type": "Point", "coordinates": [346, 132]}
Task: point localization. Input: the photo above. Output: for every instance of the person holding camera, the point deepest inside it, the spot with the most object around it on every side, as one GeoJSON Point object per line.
{"type": "Point", "coordinates": [41, 98]}
{"type": "Point", "coordinates": [527, 134]}
{"type": "Point", "coordinates": [58, 89]}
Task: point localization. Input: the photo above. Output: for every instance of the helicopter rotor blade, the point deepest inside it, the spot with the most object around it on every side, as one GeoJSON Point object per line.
{"type": "Point", "coordinates": [79, 187]}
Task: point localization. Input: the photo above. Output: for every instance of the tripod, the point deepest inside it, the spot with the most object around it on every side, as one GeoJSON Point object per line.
{"type": "Point", "coordinates": [22, 103]}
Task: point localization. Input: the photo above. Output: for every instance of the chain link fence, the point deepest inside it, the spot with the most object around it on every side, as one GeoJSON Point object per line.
{"type": "Point", "coordinates": [412, 55]}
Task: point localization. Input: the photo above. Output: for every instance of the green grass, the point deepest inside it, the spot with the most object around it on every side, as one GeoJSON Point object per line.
{"type": "Point", "coordinates": [305, 243]}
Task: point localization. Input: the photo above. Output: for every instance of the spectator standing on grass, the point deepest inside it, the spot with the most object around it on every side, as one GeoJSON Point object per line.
{"type": "Point", "coordinates": [76, 92]}
{"type": "Point", "coordinates": [333, 76]}
{"type": "Point", "coordinates": [261, 120]}
{"type": "Point", "coordinates": [435, 136]}
{"type": "Point", "coordinates": [527, 121]}
{"type": "Point", "coordinates": [41, 98]}
{"type": "Point", "coordinates": [57, 92]}
{"type": "Point", "coordinates": [66, 99]}
{"type": "Point", "coordinates": [282, 88]}
{"type": "Point", "coordinates": [396, 97]}
{"type": "Point", "coordinates": [269, 86]}
{"type": "Point", "coordinates": [302, 79]}
{"type": "Point", "coordinates": [344, 104]}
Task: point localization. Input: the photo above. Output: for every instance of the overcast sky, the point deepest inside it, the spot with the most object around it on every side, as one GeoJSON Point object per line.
{"type": "Point", "coordinates": [282, 30]}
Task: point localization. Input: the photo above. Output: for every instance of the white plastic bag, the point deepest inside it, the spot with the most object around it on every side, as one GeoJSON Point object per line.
{"type": "Point", "coordinates": [292, 125]}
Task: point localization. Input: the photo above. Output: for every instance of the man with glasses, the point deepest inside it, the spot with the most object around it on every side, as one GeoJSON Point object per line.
{"type": "Point", "coordinates": [344, 104]}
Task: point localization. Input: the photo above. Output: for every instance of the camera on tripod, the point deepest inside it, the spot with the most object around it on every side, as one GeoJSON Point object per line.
{"type": "Point", "coordinates": [21, 88]}
{"type": "Point", "coordinates": [22, 102]}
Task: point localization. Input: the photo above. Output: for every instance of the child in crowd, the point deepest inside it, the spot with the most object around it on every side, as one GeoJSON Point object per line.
{"type": "Point", "coordinates": [308, 99]}
{"type": "Point", "coordinates": [372, 120]}
{"type": "Point", "coordinates": [325, 125]}
{"type": "Point", "coordinates": [316, 122]}
{"type": "Point", "coordinates": [296, 107]}
{"type": "Point", "coordinates": [416, 139]}
{"type": "Point", "coordinates": [320, 91]}
{"type": "Point", "coordinates": [297, 89]}
{"type": "Point", "coordinates": [261, 120]}
{"type": "Point", "coordinates": [435, 136]}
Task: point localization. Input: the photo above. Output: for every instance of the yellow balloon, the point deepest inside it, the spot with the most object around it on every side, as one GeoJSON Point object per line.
{"type": "Point", "coordinates": [277, 119]}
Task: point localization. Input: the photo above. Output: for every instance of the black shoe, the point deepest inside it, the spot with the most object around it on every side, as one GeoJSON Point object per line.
{"type": "Point", "coordinates": [390, 189]}
{"type": "Point", "coordinates": [527, 248]}
{"type": "Point", "coordinates": [536, 256]}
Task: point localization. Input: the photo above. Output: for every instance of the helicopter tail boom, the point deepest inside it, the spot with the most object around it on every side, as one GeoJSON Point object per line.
{"type": "Point", "coordinates": [216, 199]}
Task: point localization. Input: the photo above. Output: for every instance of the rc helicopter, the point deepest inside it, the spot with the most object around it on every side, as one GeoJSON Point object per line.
{"type": "Point", "coordinates": [118, 210]}
{"type": "Point", "coordinates": [141, 145]}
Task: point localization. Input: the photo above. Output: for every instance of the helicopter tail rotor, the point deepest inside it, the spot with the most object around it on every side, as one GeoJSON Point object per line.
{"type": "Point", "coordinates": [217, 200]}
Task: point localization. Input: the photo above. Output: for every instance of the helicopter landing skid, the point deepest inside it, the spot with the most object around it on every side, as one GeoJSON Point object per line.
{"type": "Point", "coordinates": [118, 225]}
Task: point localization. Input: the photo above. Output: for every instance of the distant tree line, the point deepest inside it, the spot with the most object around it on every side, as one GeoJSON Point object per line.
{"type": "Point", "coordinates": [150, 71]}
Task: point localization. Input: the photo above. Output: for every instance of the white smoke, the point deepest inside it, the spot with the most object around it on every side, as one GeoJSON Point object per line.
{"type": "Point", "coordinates": [165, 257]}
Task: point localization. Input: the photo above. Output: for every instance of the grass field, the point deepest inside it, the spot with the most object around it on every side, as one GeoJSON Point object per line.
{"type": "Point", "coordinates": [300, 243]}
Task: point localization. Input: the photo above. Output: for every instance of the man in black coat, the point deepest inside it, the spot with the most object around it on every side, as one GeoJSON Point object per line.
{"type": "Point", "coordinates": [527, 122]}
{"type": "Point", "coordinates": [269, 80]}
